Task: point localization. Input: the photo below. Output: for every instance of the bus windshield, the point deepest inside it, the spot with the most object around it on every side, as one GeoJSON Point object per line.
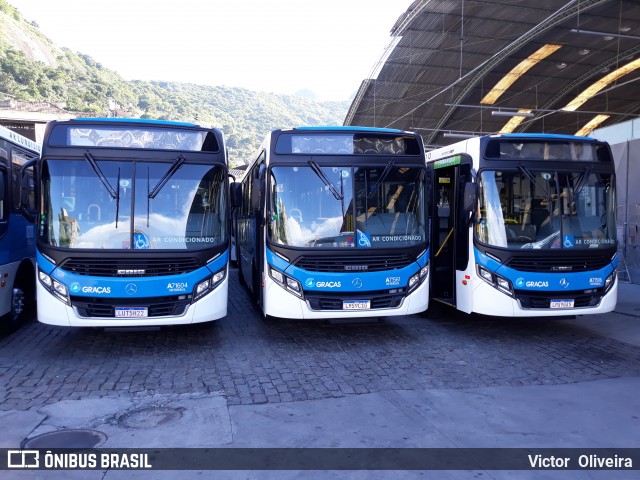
{"type": "Point", "coordinates": [347, 207]}
{"type": "Point", "coordinates": [543, 209]}
{"type": "Point", "coordinates": [88, 208]}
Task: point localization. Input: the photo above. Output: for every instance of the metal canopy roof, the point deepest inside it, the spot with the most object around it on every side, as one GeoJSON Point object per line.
{"type": "Point", "coordinates": [446, 55]}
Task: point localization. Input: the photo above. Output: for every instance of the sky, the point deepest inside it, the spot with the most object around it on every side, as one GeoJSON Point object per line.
{"type": "Point", "coordinates": [282, 46]}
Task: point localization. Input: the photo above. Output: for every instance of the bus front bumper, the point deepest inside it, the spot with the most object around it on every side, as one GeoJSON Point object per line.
{"type": "Point", "coordinates": [53, 311]}
{"type": "Point", "coordinates": [283, 304]}
{"type": "Point", "coordinates": [490, 301]}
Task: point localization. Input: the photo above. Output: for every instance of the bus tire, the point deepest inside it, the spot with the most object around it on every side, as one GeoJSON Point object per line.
{"type": "Point", "coordinates": [22, 300]}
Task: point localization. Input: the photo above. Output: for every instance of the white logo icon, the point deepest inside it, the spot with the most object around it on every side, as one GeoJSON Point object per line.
{"type": "Point", "coordinates": [23, 459]}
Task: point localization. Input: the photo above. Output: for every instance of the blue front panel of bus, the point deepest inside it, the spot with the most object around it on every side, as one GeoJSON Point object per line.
{"type": "Point", "coordinates": [541, 281]}
{"type": "Point", "coordinates": [348, 282]}
{"type": "Point", "coordinates": [131, 287]}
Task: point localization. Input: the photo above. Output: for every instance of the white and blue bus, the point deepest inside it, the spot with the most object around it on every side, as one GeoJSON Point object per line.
{"type": "Point", "coordinates": [524, 225]}
{"type": "Point", "coordinates": [332, 224]}
{"type": "Point", "coordinates": [17, 233]}
{"type": "Point", "coordinates": [133, 225]}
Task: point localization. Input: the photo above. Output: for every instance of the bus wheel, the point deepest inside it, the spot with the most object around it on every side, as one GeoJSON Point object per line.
{"type": "Point", "coordinates": [17, 303]}
{"type": "Point", "coordinates": [19, 309]}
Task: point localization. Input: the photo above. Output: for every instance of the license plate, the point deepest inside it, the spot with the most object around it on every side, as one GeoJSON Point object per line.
{"type": "Point", "coordinates": [561, 304]}
{"type": "Point", "coordinates": [356, 304]}
{"type": "Point", "coordinates": [131, 312]}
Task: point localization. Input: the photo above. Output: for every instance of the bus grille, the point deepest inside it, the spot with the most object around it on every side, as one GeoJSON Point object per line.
{"type": "Point", "coordinates": [333, 301]}
{"type": "Point", "coordinates": [105, 307]}
{"type": "Point", "coordinates": [135, 267]}
{"type": "Point", "coordinates": [558, 264]}
{"type": "Point", "coordinates": [581, 298]}
{"type": "Point", "coordinates": [354, 263]}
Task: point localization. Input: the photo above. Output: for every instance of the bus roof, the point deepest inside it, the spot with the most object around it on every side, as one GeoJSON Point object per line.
{"type": "Point", "coordinates": [134, 120]}
{"type": "Point", "coordinates": [132, 133]}
{"type": "Point", "coordinates": [546, 136]}
{"type": "Point", "coordinates": [340, 128]}
{"type": "Point", "coordinates": [19, 139]}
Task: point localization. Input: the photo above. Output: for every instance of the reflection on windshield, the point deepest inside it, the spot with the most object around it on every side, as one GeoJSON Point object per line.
{"type": "Point", "coordinates": [309, 209]}
{"type": "Point", "coordinates": [307, 212]}
{"type": "Point", "coordinates": [546, 209]}
{"type": "Point", "coordinates": [189, 211]}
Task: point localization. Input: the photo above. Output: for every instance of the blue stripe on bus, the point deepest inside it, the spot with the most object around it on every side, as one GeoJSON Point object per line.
{"type": "Point", "coordinates": [343, 282]}
{"type": "Point", "coordinates": [540, 281]}
{"type": "Point", "coordinates": [115, 287]}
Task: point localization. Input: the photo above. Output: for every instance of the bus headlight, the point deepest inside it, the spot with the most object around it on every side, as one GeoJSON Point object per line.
{"type": "Point", "coordinates": [495, 280]}
{"type": "Point", "coordinates": [486, 274]}
{"type": "Point", "coordinates": [277, 276]}
{"type": "Point", "coordinates": [218, 277]}
{"type": "Point", "coordinates": [424, 270]}
{"type": "Point", "coordinates": [202, 288]}
{"type": "Point", "coordinates": [608, 283]}
{"type": "Point", "coordinates": [44, 279]}
{"type": "Point", "coordinates": [286, 282]}
{"type": "Point", "coordinates": [504, 284]}
{"type": "Point", "coordinates": [294, 285]}
{"type": "Point", "coordinates": [54, 287]}
{"type": "Point", "coordinates": [59, 288]}
{"type": "Point", "coordinates": [209, 284]}
{"type": "Point", "coordinates": [418, 278]}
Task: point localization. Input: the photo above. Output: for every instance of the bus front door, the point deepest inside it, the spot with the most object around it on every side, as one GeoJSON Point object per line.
{"type": "Point", "coordinates": [444, 234]}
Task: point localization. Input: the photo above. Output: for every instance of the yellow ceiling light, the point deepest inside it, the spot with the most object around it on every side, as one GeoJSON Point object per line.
{"type": "Point", "coordinates": [600, 84]}
{"type": "Point", "coordinates": [517, 71]}
{"type": "Point", "coordinates": [513, 123]}
{"type": "Point", "coordinates": [593, 123]}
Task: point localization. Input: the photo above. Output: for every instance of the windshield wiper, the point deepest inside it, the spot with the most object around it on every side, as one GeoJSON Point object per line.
{"type": "Point", "coordinates": [527, 173]}
{"type": "Point", "coordinates": [542, 243]}
{"type": "Point", "coordinates": [316, 169]}
{"type": "Point", "coordinates": [381, 179]}
{"type": "Point", "coordinates": [581, 181]}
{"type": "Point", "coordinates": [101, 175]}
{"type": "Point", "coordinates": [162, 182]}
{"type": "Point", "coordinates": [115, 195]}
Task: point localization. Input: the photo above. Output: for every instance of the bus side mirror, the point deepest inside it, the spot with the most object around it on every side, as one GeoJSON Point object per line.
{"type": "Point", "coordinates": [468, 198]}
{"type": "Point", "coordinates": [2, 177]}
{"type": "Point", "coordinates": [236, 195]}
{"type": "Point", "coordinates": [256, 194]}
{"type": "Point", "coordinates": [28, 192]}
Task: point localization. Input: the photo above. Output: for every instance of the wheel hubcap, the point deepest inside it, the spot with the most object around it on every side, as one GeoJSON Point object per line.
{"type": "Point", "coordinates": [17, 302]}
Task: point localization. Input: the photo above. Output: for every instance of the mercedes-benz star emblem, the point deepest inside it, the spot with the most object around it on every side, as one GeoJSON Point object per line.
{"type": "Point", "coordinates": [356, 282]}
{"type": "Point", "coordinates": [131, 289]}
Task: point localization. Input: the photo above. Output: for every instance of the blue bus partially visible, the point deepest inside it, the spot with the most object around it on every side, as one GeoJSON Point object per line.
{"type": "Point", "coordinates": [17, 233]}
{"type": "Point", "coordinates": [332, 223]}
{"type": "Point", "coordinates": [133, 226]}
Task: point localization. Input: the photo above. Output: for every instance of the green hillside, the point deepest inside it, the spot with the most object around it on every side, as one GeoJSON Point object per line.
{"type": "Point", "coordinates": [32, 68]}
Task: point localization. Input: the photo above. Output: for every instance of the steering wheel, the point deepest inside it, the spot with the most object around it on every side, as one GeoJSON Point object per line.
{"type": "Point", "coordinates": [523, 238]}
